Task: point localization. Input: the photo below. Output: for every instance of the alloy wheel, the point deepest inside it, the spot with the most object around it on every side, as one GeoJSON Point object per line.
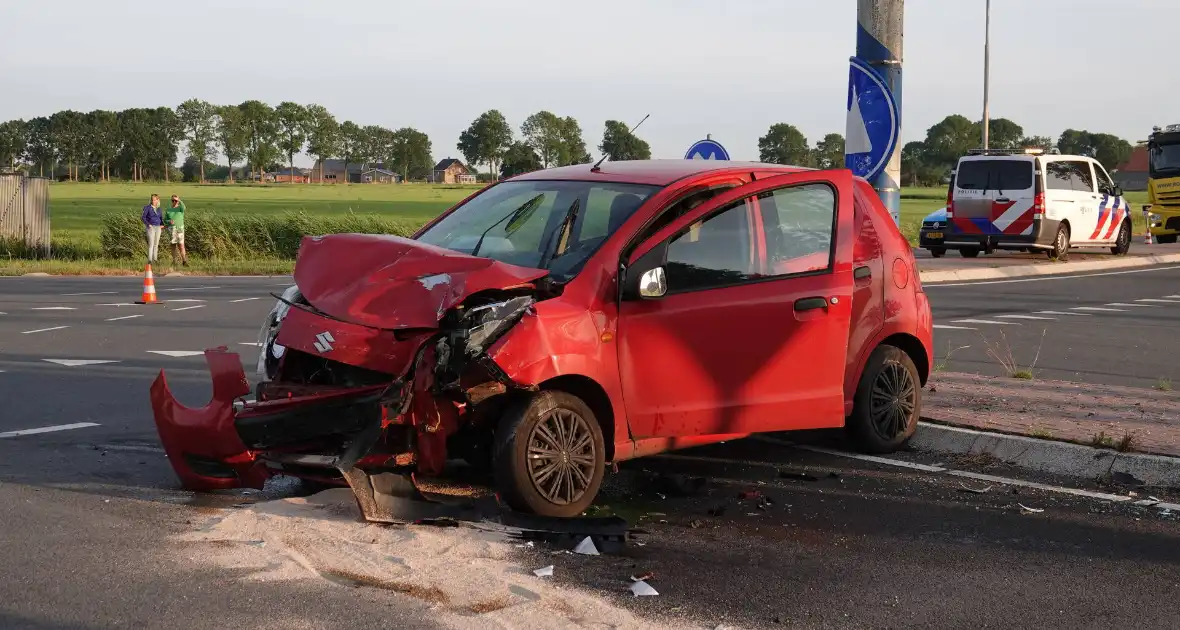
{"type": "Point", "coordinates": [561, 456]}
{"type": "Point", "coordinates": [893, 400]}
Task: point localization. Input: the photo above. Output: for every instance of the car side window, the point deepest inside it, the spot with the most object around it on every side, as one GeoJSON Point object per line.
{"type": "Point", "coordinates": [799, 226]}
{"type": "Point", "coordinates": [1105, 185]}
{"type": "Point", "coordinates": [1083, 177]}
{"type": "Point", "coordinates": [1058, 176]}
{"type": "Point", "coordinates": [713, 252]}
{"type": "Point", "coordinates": [680, 207]}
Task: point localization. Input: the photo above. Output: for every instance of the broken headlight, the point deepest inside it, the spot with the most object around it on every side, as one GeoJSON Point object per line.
{"type": "Point", "coordinates": [269, 351]}
{"type": "Point", "coordinates": [490, 321]}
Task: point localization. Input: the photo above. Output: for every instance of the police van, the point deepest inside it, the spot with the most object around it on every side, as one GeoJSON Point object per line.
{"type": "Point", "coordinates": [1028, 200]}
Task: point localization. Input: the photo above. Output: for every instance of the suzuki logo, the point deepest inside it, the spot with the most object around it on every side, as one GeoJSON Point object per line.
{"type": "Point", "coordinates": [323, 341]}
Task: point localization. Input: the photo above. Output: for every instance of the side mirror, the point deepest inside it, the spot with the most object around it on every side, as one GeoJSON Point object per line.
{"type": "Point", "coordinates": [1117, 191]}
{"type": "Point", "coordinates": [653, 283]}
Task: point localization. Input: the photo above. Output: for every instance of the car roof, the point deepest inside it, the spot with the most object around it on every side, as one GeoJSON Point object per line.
{"type": "Point", "coordinates": [657, 172]}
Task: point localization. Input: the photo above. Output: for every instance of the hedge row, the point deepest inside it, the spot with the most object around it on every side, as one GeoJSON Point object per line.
{"type": "Point", "coordinates": [238, 237]}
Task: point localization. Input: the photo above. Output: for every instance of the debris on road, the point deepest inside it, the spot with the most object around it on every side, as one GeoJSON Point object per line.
{"type": "Point", "coordinates": [544, 571]}
{"type": "Point", "coordinates": [643, 577]}
{"type": "Point", "coordinates": [796, 475]}
{"type": "Point", "coordinates": [586, 547]}
{"type": "Point", "coordinates": [643, 589]}
{"type": "Point", "coordinates": [746, 495]}
{"type": "Point", "coordinates": [1025, 508]}
{"type": "Point", "coordinates": [966, 488]}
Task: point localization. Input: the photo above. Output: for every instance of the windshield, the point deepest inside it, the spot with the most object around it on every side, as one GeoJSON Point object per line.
{"type": "Point", "coordinates": [994, 175]}
{"type": "Point", "coordinates": [1165, 160]}
{"type": "Point", "coordinates": [554, 225]}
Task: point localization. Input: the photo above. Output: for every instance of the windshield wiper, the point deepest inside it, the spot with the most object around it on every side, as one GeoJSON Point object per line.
{"type": "Point", "coordinates": [511, 216]}
{"type": "Point", "coordinates": [562, 233]}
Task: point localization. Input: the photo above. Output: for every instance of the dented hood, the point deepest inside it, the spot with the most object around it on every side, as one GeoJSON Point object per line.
{"type": "Point", "coordinates": [392, 282]}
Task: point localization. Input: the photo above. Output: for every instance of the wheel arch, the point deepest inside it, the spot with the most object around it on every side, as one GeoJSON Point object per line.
{"type": "Point", "coordinates": [913, 347]}
{"type": "Point", "coordinates": [595, 397]}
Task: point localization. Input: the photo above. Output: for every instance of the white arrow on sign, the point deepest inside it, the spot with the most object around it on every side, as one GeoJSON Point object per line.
{"type": "Point", "coordinates": [858, 134]}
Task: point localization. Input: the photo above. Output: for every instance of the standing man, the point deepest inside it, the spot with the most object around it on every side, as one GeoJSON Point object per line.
{"type": "Point", "coordinates": [152, 222]}
{"type": "Point", "coordinates": [174, 219]}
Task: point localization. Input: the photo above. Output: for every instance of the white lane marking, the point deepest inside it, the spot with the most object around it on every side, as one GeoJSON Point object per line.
{"type": "Point", "coordinates": [39, 330]}
{"type": "Point", "coordinates": [949, 327]}
{"type": "Point", "coordinates": [190, 288]}
{"type": "Point", "coordinates": [78, 362]}
{"type": "Point", "coordinates": [178, 353]}
{"type": "Point", "coordinates": [1045, 278]}
{"type": "Point", "coordinates": [1099, 309]}
{"type": "Point", "coordinates": [184, 300]}
{"type": "Point", "coordinates": [60, 427]}
{"type": "Point", "coordinates": [984, 321]}
{"type": "Point", "coordinates": [1039, 486]}
{"type": "Point", "coordinates": [188, 308]}
{"type": "Point", "coordinates": [1160, 301]}
{"type": "Point", "coordinates": [1175, 297]}
{"type": "Point", "coordinates": [871, 458]}
{"type": "Point", "coordinates": [3, 313]}
{"type": "Point", "coordinates": [1025, 317]}
{"type": "Point", "coordinates": [1132, 305]}
{"type": "Point", "coordinates": [1062, 313]}
{"type": "Point", "coordinates": [135, 448]}
{"type": "Point", "coordinates": [54, 308]}
{"type": "Point", "coordinates": [90, 293]}
{"type": "Point", "coordinates": [118, 304]}
{"type": "Point", "coordinates": [244, 300]}
{"type": "Point", "coordinates": [115, 319]}
{"type": "Point", "coordinates": [249, 343]}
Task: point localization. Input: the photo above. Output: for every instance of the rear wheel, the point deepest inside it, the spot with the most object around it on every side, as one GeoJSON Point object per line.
{"type": "Point", "coordinates": [549, 455]}
{"type": "Point", "coordinates": [937, 252]}
{"type": "Point", "coordinates": [969, 252]}
{"type": "Point", "coordinates": [888, 402]}
{"type": "Point", "coordinates": [1060, 249]}
{"type": "Point", "coordinates": [1166, 239]}
{"type": "Point", "coordinates": [1122, 243]}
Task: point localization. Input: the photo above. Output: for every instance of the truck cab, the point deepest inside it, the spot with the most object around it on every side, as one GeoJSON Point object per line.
{"type": "Point", "coordinates": [1163, 183]}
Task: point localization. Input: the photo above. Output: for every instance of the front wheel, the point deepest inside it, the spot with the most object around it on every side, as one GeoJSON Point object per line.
{"type": "Point", "coordinates": [968, 252]}
{"type": "Point", "coordinates": [888, 402]}
{"type": "Point", "coordinates": [549, 456]}
{"type": "Point", "coordinates": [1122, 244]}
{"type": "Point", "coordinates": [937, 252]}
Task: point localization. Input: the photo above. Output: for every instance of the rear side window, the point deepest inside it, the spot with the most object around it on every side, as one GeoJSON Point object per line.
{"type": "Point", "coordinates": [1083, 177]}
{"type": "Point", "coordinates": [1058, 176]}
{"type": "Point", "coordinates": [994, 175]}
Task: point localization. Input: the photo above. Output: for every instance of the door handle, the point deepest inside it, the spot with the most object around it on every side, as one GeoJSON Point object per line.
{"type": "Point", "coordinates": [860, 273]}
{"type": "Point", "coordinates": [810, 304]}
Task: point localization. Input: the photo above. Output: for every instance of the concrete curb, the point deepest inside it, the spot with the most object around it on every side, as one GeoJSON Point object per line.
{"type": "Point", "coordinates": [936, 276]}
{"type": "Point", "coordinates": [1049, 456]}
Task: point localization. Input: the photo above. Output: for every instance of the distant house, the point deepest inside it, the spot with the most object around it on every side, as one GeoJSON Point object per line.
{"type": "Point", "coordinates": [379, 176]}
{"type": "Point", "coordinates": [290, 176]}
{"type": "Point", "coordinates": [1132, 174]}
{"type": "Point", "coordinates": [335, 173]}
{"type": "Point", "coordinates": [452, 171]}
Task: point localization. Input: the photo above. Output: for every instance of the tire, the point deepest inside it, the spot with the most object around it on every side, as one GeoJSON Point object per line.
{"type": "Point", "coordinates": [1122, 242]}
{"type": "Point", "coordinates": [1060, 249]}
{"type": "Point", "coordinates": [877, 429]}
{"type": "Point", "coordinates": [1166, 239]}
{"type": "Point", "coordinates": [937, 252]}
{"type": "Point", "coordinates": [968, 252]}
{"type": "Point", "coordinates": [533, 422]}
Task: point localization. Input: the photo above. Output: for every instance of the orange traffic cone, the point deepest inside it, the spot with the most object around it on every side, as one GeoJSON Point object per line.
{"type": "Point", "coordinates": [1147, 219]}
{"type": "Point", "coordinates": [149, 287]}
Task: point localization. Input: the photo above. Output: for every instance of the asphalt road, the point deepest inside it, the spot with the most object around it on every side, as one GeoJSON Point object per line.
{"type": "Point", "coordinates": [91, 512]}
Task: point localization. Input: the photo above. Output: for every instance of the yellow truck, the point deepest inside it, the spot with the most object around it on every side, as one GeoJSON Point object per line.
{"type": "Point", "coordinates": [1163, 183]}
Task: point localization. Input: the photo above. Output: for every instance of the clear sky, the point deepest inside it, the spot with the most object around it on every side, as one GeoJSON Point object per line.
{"type": "Point", "coordinates": [730, 68]}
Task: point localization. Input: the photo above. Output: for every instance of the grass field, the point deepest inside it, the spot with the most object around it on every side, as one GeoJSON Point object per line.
{"type": "Point", "coordinates": [77, 210]}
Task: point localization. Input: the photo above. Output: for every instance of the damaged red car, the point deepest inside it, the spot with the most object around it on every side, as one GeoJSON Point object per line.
{"type": "Point", "coordinates": [559, 321]}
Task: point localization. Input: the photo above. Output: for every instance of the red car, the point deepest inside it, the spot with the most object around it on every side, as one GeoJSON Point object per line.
{"type": "Point", "coordinates": [565, 319]}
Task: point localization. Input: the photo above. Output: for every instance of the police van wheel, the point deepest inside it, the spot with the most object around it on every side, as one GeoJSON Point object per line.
{"type": "Point", "coordinates": [1122, 244]}
{"type": "Point", "coordinates": [969, 252]}
{"type": "Point", "coordinates": [937, 252]}
{"type": "Point", "coordinates": [1060, 249]}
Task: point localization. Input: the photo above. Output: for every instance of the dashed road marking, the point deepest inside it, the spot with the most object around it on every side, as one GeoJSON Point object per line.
{"type": "Point", "coordinates": [249, 343]}
{"type": "Point", "coordinates": [244, 300]}
{"type": "Point", "coordinates": [118, 304]}
{"type": "Point", "coordinates": [90, 293]}
{"type": "Point", "coordinates": [79, 362]}
{"type": "Point", "coordinates": [41, 330]}
{"type": "Point", "coordinates": [1100, 309]}
{"type": "Point", "coordinates": [1159, 300]}
{"type": "Point", "coordinates": [54, 308]}
{"type": "Point", "coordinates": [984, 321]}
{"type": "Point", "coordinates": [134, 448]}
{"type": "Point", "coordinates": [178, 353]}
{"type": "Point", "coordinates": [949, 327]}
{"type": "Point", "coordinates": [1025, 317]}
{"type": "Point", "coordinates": [1132, 305]}
{"type": "Point", "coordinates": [190, 288]}
{"type": "Point", "coordinates": [1062, 313]}
{"type": "Point", "coordinates": [60, 427]}
{"type": "Point", "coordinates": [184, 300]}
{"type": "Point", "coordinates": [115, 319]}
{"type": "Point", "coordinates": [939, 285]}
{"type": "Point", "coordinates": [188, 308]}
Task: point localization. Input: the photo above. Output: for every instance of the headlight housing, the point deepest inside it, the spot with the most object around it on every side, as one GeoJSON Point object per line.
{"type": "Point", "coordinates": [490, 321]}
{"type": "Point", "coordinates": [269, 351]}
{"type": "Point", "coordinates": [1153, 217]}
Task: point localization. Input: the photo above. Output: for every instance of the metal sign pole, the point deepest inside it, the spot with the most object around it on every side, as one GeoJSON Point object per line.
{"type": "Point", "coordinates": [987, 39]}
{"type": "Point", "coordinates": [879, 43]}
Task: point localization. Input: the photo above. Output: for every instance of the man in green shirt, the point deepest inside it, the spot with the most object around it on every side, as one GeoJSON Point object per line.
{"type": "Point", "coordinates": [174, 221]}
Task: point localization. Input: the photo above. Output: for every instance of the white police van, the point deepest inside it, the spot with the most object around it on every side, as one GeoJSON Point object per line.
{"type": "Point", "coordinates": [1027, 200]}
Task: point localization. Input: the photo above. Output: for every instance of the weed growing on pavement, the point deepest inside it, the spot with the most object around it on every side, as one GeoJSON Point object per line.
{"type": "Point", "coordinates": [1127, 444]}
{"type": "Point", "coordinates": [1042, 433]}
{"type": "Point", "coordinates": [1102, 440]}
{"type": "Point", "coordinates": [940, 365]}
{"type": "Point", "coordinates": [1164, 385]}
{"type": "Point", "coordinates": [1001, 351]}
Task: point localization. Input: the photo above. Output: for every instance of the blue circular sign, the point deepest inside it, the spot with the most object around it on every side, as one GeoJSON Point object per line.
{"type": "Point", "coordinates": [873, 122]}
{"type": "Point", "coordinates": [706, 150]}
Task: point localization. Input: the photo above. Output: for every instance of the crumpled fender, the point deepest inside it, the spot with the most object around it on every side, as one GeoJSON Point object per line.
{"type": "Point", "coordinates": [208, 432]}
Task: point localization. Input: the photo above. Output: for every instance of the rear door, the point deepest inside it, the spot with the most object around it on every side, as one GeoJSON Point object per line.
{"type": "Point", "coordinates": [994, 196]}
{"type": "Point", "coordinates": [751, 334]}
{"type": "Point", "coordinates": [1062, 202]}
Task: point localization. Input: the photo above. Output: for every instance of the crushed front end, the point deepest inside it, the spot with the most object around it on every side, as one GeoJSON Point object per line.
{"type": "Point", "coordinates": [349, 397]}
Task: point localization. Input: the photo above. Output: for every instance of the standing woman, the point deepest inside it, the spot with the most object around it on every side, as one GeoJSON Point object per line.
{"type": "Point", "coordinates": [152, 222]}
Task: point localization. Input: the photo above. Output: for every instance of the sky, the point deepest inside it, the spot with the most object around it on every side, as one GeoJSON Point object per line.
{"type": "Point", "coordinates": [727, 68]}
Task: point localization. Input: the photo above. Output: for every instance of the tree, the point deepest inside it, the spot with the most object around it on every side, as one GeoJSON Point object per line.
{"type": "Point", "coordinates": [1108, 149]}
{"type": "Point", "coordinates": [66, 134]}
{"type": "Point", "coordinates": [14, 141]}
{"type": "Point", "coordinates": [573, 147]}
{"type": "Point", "coordinates": [135, 127]}
{"type": "Point", "coordinates": [376, 143]}
{"type": "Point", "coordinates": [166, 132]}
{"type": "Point", "coordinates": [784, 144]}
{"type": "Point", "coordinates": [519, 158]}
{"type": "Point", "coordinates": [486, 140]}
{"type": "Point", "coordinates": [40, 145]}
{"type": "Point", "coordinates": [829, 152]}
{"type": "Point", "coordinates": [231, 135]}
{"type": "Point", "coordinates": [1044, 143]}
{"type": "Point", "coordinates": [410, 153]}
{"type": "Point", "coordinates": [950, 139]}
{"type": "Point", "coordinates": [261, 133]}
{"type": "Point", "coordinates": [543, 133]}
{"type": "Point", "coordinates": [198, 119]}
{"type": "Point", "coordinates": [352, 145]}
{"type": "Point", "coordinates": [105, 141]}
{"type": "Point", "coordinates": [323, 135]}
{"type": "Point", "coordinates": [1001, 134]}
{"type": "Point", "coordinates": [618, 143]}
{"type": "Point", "coordinates": [292, 121]}
{"type": "Point", "coordinates": [917, 169]}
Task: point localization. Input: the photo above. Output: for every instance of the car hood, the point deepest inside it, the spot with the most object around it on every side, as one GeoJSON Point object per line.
{"type": "Point", "coordinates": [391, 282]}
{"type": "Point", "coordinates": [938, 215]}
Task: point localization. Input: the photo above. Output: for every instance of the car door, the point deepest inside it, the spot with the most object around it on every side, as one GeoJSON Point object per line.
{"type": "Point", "coordinates": [740, 341]}
{"type": "Point", "coordinates": [1086, 199]}
{"type": "Point", "coordinates": [1112, 208]}
{"type": "Point", "coordinates": [1062, 202]}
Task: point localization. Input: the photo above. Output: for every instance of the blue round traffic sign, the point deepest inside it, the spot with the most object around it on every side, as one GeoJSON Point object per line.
{"type": "Point", "coordinates": [873, 122]}
{"type": "Point", "coordinates": [707, 149]}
